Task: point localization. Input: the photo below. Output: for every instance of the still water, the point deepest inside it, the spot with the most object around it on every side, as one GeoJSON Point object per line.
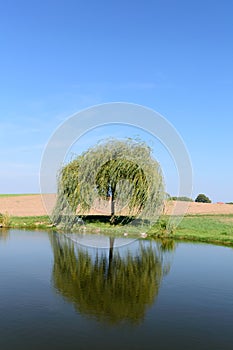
{"type": "Point", "coordinates": [56, 293]}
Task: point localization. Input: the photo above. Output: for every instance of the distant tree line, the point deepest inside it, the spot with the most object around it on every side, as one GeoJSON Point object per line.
{"type": "Point", "coordinates": [178, 198]}
{"type": "Point", "coordinates": [182, 198]}
{"type": "Point", "coordinates": [201, 198]}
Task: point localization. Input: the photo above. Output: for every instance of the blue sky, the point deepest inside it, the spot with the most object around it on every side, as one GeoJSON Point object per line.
{"type": "Point", "coordinates": [59, 57]}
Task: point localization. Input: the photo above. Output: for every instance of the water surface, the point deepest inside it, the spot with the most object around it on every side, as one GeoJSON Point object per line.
{"type": "Point", "coordinates": [57, 294]}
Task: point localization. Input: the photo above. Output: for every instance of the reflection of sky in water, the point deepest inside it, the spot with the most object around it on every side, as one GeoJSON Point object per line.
{"type": "Point", "coordinates": [98, 240]}
{"type": "Point", "coordinates": [96, 244]}
{"type": "Point", "coordinates": [194, 304]}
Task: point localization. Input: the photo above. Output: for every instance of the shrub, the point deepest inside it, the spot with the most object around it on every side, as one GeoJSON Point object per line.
{"type": "Point", "coordinates": [202, 198]}
{"type": "Point", "coordinates": [4, 220]}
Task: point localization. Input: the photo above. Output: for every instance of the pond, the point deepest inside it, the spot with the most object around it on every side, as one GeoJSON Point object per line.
{"type": "Point", "coordinates": [58, 293]}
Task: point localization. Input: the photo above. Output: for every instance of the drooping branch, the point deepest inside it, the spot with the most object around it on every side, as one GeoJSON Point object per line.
{"type": "Point", "coordinates": [122, 170]}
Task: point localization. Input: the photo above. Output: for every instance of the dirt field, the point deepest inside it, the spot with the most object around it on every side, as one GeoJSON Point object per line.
{"type": "Point", "coordinates": [32, 205]}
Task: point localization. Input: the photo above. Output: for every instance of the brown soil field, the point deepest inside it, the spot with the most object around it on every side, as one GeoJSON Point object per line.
{"type": "Point", "coordinates": [33, 205]}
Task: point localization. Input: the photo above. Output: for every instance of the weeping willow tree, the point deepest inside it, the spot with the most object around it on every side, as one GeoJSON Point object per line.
{"type": "Point", "coordinates": [122, 171]}
{"type": "Point", "coordinates": [112, 289]}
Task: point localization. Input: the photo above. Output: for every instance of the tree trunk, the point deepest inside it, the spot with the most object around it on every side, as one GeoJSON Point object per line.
{"type": "Point", "coordinates": [112, 206]}
{"type": "Point", "coordinates": [112, 203]}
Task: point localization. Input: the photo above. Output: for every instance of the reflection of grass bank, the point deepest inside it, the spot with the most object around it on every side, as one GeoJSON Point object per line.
{"type": "Point", "coordinates": [216, 229]}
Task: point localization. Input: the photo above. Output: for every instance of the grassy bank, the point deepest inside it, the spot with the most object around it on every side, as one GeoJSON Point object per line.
{"type": "Point", "coordinates": [27, 222]}
{"type": "Point", "coordinates": [217, 229]}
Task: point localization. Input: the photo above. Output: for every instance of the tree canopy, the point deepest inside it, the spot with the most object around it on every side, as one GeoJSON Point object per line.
{"type": "Point", "coordinates": [122, 171]}
{"type": "Point", "coordinates": [202, 198]}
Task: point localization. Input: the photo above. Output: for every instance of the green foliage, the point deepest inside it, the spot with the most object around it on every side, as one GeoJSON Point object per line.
{"type": "Point", "coordinates": [112, 288]}
{"type": "Point", "coordinates": [5, 220]}
{"type": "Point", "coordinates": [162, 228]}
{"type": "Point", "coordinates": [202, 198]}
{"type": "Point", "coordinates": [115, 170]}
{"type": "Point", "coordinates": [122, 171]}
{"type": "Point", "coordinates": [182, 198]}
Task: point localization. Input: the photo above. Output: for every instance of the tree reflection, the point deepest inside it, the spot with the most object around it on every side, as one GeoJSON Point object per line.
{"type": "Point", "coordinates": [4, 233]}
{"type": "Point", "coordinates": [110, 287]}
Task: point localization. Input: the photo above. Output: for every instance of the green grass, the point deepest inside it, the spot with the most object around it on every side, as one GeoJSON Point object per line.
{"type": "Point", "coordinates": [216, 229]}
{"type": "Point", "coordinates": [30, 222]}
{"type": "Point", "coordinates": [92, 224]}
{"type": "Point", "coordinates": [18, 194]}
